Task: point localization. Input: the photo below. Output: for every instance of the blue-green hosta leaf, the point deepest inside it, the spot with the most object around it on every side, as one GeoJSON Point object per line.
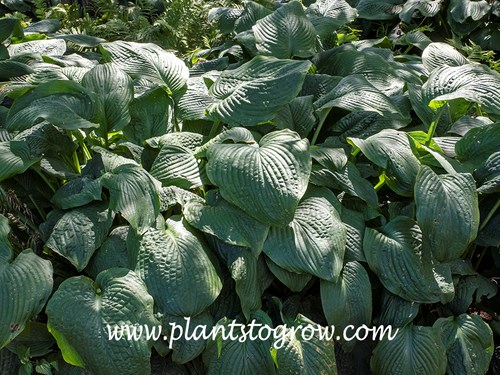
{"type": "Point", "coordinates": [80, 311]}
{"type": "Point", "coordinates": [25, 286]}
{"type": "Point", "coordinates": [447, 212]}
{"type": "Point", "coordinates": [192, 103]}
{"type": "Point", "coordinates": [460, 10]}
{"type": "Point", "coordinates": [469, 287]}
{"type": "Point", "coordinates": [177, 269]}
{"type": "Point", "coordinates": [425, 8]}
{"type": "Point", "coordinates": [10, 69]}
{"type": "Point", "coordinates": [148, 61]}
{"type": "Point", "coordinates": [466, 123]}
{"type": "Point", "coordinates": [315, 356]}
{"type": "Point", "coordinates": [347, 60]}
{"type": "Point", "coordinates": [44, 138]}
{"type": "Point", "coordinates": [469, 343]}
{"type": "Point", "coordinates": [292, 280]}
{"type": "Point", "coordinates": [257, 90]}
{"type": "Point", "coordinates": [151, 116]}
{"type": "Point", "coordinates": [415, 350]}
{"type": "Point", "coordinates": [185, 139]}
{"type": "Point", "coordinates": [225, 18]}
{"type": "Point", "coordinates": [314, 242]}
{"type": "Point", "coordinates": [5, 247]}
{"type": "Point", "coordinates": [364, 124]}
{"type": "Point", "coordinates": [379, 10]}
{"type": "Point", "coordinates": [396, 311]}
{"type": "Point", "coordinates": [76, 193]}
{"type": "Point", "coordinates": [111, 254]}
{"type": "Point", "coordinates": [265, 180]}
{"type": "Point", "coordinates": [488, 175]}
{"type": "Point", "coordinates": [115, 90]}
{"type": "Point", "coordinates": [395, 255]}
{"type": "Point", "coordinates": [50, 47]}
{"type": "Point", "coordinates": [36, 337]}
{"type": "Point", "coordinates": [65, 104]}
{"type": "Point", "coordinates": [226, 222]}
{"type": "Point", "coordinates": [249, 273]}
{"type": "Point", "coordinates": [348, 300]}
{"type": "Point", "coordinates": [228, 357]}
{"type": "Point", "coordinates": [354, 223]}
{"type": "Point", "coordinates": [134, 193]}
{"type": "Point", "coordinates": [328, 15]}
{"type": "Point", "coordinates": [298, 115]}
{"type": "Point", "coordinates": [176, 165]}
{"type": "Point", "coordinates": [478, 144]}
{"type": "Point", "coordinates": [172, 195]}
{"type": "Point", "coordinates": [15, 158]}
{"type": "Point", "coordinates": [185, 350]}
{"type": "Point", "coordinates": [81, 40]}
{"type": "Point", "coordinates": [77, 233]}
{"type": "Point", "coordinates": [435, 55]}
{"type": "Point", "coordinates": [285, 33]}
{"type": "Point", "coordinates": [473, 82]}
{"type": "Point", "coordinates": [356, 93]}
{"type": "Point", "coordinates": [390, 150]}
{"type": "Point", "coordinates": [252, 12]}
{"type": "Point", "coordinates": [10, 26]}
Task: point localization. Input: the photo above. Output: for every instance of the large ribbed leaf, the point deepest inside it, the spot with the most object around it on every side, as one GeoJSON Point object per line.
{"type": "Point", "coordinates": [478, 144]}
{"type": "Point", "coordinates": [176, 267]}
{"type": "Point", "coordinates": [15, 158]}
{"type": "Point", "coordinates": [78, 192]}
{"type": "Point", "coordinates": [248, 357]}
{"type": "Point", "coordinates": [252, 12]}
{"type": "Point", "coordinates": [65, 104]}
{"type": "Point", "coordinates": [176, 165]}
{"type": "Point", "coordinates": [25, 286]}
{"type": "Point", "coordinates": [148, 61]}
{"type": "Point", "coordinates": [226, 222]}
{"type": "Point", "coordinates": [447, 212]}
{"type": "Point", "coordinates": [292, 280]}
{"type": "Point", "coordinates": [435, 55]}
{"type": "Point", "coordinates": [460, 10]}
{"type": "Point", "coordinates": [390, 150]}
{"type": "Point", "coordinates": [415, 350]}
{"type": "Point", "coordinates": [265, 180]}
{"type": "Point", "coordinates": [469, 343]}
{"type": "Point", "coordinates": [305, 357]}
{"type": "Point", "coordinates": [356, 93]}
{"type": "Point", "coordinates": [328, 15]}
{"type": "Point", "coordinates": [395, 255]}
{"type": "Point", "coordinates": [298, 115]}
{"type": "Point", "coordinates": [4, 239]}
{"type": "Point", "coordinates": [257, 90]}
{"type": "Point", "coordinates": [115, 90]}
{"type": "Point", "coordinates": [77, 233]}
{"type": "Point", "coordinates": [354, 223]}
{"type": "Point", "coordinates": [473, 82]}
{"type": "Point", "coordinates": [379, 10]}
{"type": "Point", "coordinates": [285, 33]}
{"type": "Point", "coordinates": [348, 300]}
{"type": "Point", "coordinates": [49, 47]}
{"type": "Point", "coordinates": [249, 273]}
{"type": "Point", "coordinates": [78, 315]}
{"type": "Point", "coordinates": [397, 312]}
{"type": "Point", "coordinates": [151, 116]}
{"type": "Point", "coordinates": [347, 60]}
{"type": "Point", "coordinates": [134, 193]}
{"type": "Point", "coordinates": [314, 242]}
{"type": "Point", "coordinates": [194, 100]}
{"type": "Point", "coordinates": [419, 8]}
{"type": "Point", "coordinates": [488, 175]}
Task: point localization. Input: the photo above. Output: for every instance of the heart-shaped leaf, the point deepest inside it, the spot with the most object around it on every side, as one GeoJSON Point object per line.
{"type": "Point", "coordinates": [447, 212]}
{"type": "Point", "coordinates": [265, 180]}
{"type": "Point", "coordinates": [25, 286]}
{"type": "Point", "coordinates": [176, 267]}
{"type": "Point", "coordinates": [82, 314]}
{"type": "Point", "coordinates": [314, 242]}
{"type": "Point", "coordinates": [243, 95]}
{"type": "Point", "coordinates": [396, 256]}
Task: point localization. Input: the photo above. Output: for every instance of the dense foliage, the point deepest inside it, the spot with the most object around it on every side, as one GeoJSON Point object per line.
{"type": "Point", "coordinates": [332, 162]}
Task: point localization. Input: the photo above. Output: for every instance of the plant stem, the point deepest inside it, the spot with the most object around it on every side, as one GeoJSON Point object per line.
{"type": "Point", "coordinates": [322, 119]}
{"type": "Point", "coordinates": [490, 215]}
{"type": "Point", "coordinates": [216, 128]}
{"type": "Point", "coordinates": [47, 181]}
{"type": "Point", "coordinates": [433, 126]}
{"type": "Point", "coordinates": [381, 182]}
